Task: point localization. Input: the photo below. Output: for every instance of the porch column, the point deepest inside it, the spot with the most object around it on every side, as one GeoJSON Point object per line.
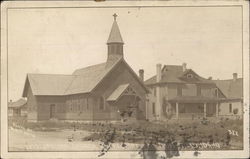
{"type": "Point", "coordinates": [205, 110]}
{"type": "Point", "coordinates": [177, 110]}
{"type": "Point", "coordinates": [147, 101]}
{"type": "Point", "coordinates": [217, 109]}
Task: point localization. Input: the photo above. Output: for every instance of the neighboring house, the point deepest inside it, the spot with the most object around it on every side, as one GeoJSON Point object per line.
{"type": "Point", "coordinates": [233, 90]}
{"type": "Point", "coordinates": [106, 91]}
{"type": "Point", "coordinates": [17, 108]}
{"type": "Point", "coordinates": [178, 92]}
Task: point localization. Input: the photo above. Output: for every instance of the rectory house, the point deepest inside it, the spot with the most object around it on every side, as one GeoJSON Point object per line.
{"type": "Point", "coordinates": [178, 92]}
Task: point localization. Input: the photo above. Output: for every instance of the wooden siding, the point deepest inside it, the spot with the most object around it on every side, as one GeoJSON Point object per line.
{"type": "Point", "coordinates": [66, 107]}
{"type": "Point", "coordinates": [224, 108]}
{"type": "Point", "coordinates": [44, 103]}
{"type": "Point", "coordinates": [120, 75]}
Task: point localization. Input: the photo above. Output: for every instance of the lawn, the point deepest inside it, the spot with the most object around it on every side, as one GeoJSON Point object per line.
{"type": "Point", "coordinates": [171, 136]}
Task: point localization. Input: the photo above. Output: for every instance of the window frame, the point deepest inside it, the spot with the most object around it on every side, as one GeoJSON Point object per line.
{"type": "Point", "coordinates": [230, 108]}
{"type": "Point", "coordinates": [101, 103]}
{"type": "Point", "coordinates": [153, 108]}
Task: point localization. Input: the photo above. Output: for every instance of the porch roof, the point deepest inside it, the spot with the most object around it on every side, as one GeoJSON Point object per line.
{"type": "Point", "coordinates": [194, 99]}
{"type": "Point", "coordinates": [17, 104]}
{"type": "Point", "coordinates": [117, 92]}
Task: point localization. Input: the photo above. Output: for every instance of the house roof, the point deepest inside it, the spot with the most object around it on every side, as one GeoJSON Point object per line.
{"type": "Point", "coordinates": [115, 35]}
{"type": "Point", "coordinates": [230, 88]}
{"type": "Point", "coordinates": [17, 104]}
{"type": "Point", "coordinates": [193, 99]}
{"type": "Point", "coordinates": [117, 92]}
{"type": "Point", "coordinates": [175, 74]}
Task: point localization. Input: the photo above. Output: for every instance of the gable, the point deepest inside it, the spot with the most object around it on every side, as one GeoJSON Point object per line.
{"type": "Point", "coordinates": [122, 65]}
{"type": "Point", "coordinates": [175, 74]}
{"type": "Point", "coordinates": [47, 84]}
{"type": "Point", "coordinates": [190, 76]}
{"type": "Point", "coordinates": [86, 79]}
{"type": "Point", "coordinates": [231, 88]}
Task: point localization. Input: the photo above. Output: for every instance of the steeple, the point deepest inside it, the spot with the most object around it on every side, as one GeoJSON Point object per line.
{"type": "Point", "coordinates": [115, 43]}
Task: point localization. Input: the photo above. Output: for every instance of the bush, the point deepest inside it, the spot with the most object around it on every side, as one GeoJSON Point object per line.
{"type": "Point", "coordinates": [235, 111]}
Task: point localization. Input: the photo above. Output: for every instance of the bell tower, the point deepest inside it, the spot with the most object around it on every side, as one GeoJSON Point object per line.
{"type": "Point", "coordinates": [115, 43]}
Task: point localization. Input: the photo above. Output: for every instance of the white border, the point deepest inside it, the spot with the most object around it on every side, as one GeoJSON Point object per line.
{"type": "Point", "coordinates": [204, 154]}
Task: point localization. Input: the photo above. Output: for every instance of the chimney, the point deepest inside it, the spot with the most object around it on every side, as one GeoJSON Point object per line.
{"type": "Point", "coordinates": [210, 77]}
{"type": "Point", "coordinates": [235, 76]}
{"type": "Point", "coordinates": [184, 67]}
{"type": "Point", "coordinates": [11, 101]}
{"type": "Point", "coordinates": [141, 74]}
{"type": "Point", "coordinates": [158, 72]}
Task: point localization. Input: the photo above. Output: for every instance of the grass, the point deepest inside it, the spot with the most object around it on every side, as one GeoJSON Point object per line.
{"type": "Point", "coordinates": [182, 131]}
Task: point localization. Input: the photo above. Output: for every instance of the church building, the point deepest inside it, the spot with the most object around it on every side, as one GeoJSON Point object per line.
{"type": "Point", "coordinates": [106, 91]}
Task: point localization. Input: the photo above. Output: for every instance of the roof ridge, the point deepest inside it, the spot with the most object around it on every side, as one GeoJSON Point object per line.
{"type": "Point", "coordinates": [87, 67]}
{"type": "Point", "coordinates": [50, 74]}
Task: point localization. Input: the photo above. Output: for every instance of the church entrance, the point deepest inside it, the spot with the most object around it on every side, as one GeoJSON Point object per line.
{"type": "Point", "coordinates": [128, 106]}
{"type": "Point", "coordinates": [125, 103]}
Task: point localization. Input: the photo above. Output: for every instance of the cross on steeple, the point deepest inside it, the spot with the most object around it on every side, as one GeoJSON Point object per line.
{"type": "Point", "coordinates": [115, 15]}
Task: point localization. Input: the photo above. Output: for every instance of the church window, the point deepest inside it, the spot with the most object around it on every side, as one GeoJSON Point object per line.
{"type": "Point", "coordinates": [87, 103]}
{"type": "Point", "coordinates": [230, 108]}
{"type": "Point", "coordinates": [82, 104]}
{"type": "Point", "coordinates": [101, 103]}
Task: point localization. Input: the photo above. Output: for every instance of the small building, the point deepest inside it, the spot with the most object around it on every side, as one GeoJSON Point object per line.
{"type": "Point", "coordinates": [178, 92]}
{"type": "Point", "coordinates": [106, 91]}
{"type": "Point", "coordinates": [233, 90]}
{"type": "Point", "coordinates": [17, 108]}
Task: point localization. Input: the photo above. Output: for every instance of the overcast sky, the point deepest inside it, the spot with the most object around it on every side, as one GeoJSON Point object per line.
{"type": "Point", "coordinates": [58, 41]}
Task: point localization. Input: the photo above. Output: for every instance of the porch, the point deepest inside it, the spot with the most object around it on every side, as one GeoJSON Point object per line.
{"type": "Point", "coordinates": [194, 108]}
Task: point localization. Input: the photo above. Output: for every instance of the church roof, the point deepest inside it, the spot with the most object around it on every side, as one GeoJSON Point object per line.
{"type": "Point", "coordinates": [115, 35]}
{"type": "Point", "coordinates": [117, 92]}
{"type": "Point", "coordinates": [47, 84]}
{"type": "Point", "coordinates": [81, 81]}
{"type": "Point", "coordinates": [86, 79]}
{"type": "Point", "coordinates": [175, 74]}
{"type": "Point", "coordinates": [231, 88]}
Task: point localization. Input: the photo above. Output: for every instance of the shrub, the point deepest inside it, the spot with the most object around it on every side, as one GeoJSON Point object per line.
{"type": "Point", "coordinates": [235, 111]}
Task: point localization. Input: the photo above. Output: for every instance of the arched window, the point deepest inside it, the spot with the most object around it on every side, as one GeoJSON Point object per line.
{"type": "Point", "coordinates": [101, 103]}
{"type": "Point", "coordinates": [189, 75]}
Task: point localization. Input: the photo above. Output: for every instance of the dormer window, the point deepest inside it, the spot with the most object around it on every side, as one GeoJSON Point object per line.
{"type": "Point", "coordinates": [189, 75]}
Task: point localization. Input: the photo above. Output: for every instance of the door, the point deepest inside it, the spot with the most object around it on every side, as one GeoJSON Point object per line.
{"type": "Point", "coordinates": [52, 110]}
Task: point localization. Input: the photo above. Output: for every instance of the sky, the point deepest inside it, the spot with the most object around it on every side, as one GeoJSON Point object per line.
{"type": "Point", "coordinates": [60, 40]}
